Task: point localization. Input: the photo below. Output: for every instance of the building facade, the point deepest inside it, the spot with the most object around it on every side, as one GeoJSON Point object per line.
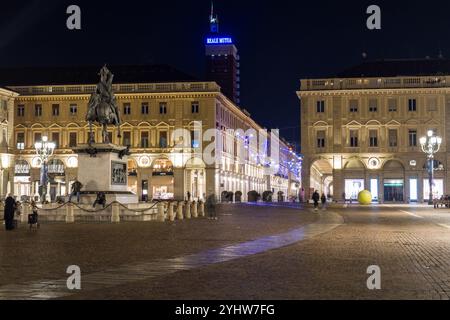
{"type": "Point", "coordinates": [167, 125]}
{"type": "Point", "coordinates": [7, 140]}
{"type": "Point", "coordinates": [361, 130]}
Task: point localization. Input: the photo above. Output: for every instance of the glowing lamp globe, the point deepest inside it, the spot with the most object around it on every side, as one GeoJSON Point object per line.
{"type": "Point", "coordinates": [365, 198]}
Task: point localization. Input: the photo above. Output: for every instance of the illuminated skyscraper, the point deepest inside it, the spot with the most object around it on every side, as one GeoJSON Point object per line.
{"type": "Point", "coordinates": [222, 60]}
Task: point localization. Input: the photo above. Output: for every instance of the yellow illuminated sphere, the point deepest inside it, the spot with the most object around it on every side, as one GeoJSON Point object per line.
{"type": "Point", "coordinates": [365, 197]}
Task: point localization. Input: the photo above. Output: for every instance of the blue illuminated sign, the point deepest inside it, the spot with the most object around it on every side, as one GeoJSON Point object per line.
{"type": "Point", "coordinates": [219, 40]}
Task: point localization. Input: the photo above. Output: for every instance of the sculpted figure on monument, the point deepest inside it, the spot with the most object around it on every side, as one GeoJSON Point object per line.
{"type": "Point", "coordinates": [102, 107]}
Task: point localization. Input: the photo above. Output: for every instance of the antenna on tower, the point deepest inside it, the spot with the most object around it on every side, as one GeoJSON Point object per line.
{"type": "Point", "coordinates": [214, 20]}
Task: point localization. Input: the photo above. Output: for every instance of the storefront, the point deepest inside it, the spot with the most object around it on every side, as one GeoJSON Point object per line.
{"type": "Point", "coordinates": [57, 179]}
{"type": "Point", "coordinates": [438, 189]}
{"type": "Point", "coordinates": [162, 180]}
{"type": "Point", "coordinates": [394, 190]}
{"type": "Point", "coordinates": [353, 187]}
{"type": "Point", "coordinates": [413, 190]}
{"type": "Point", "coordinates": [22, 179]}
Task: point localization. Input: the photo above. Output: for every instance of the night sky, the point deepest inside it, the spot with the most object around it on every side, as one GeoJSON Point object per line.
{"type": "Point", "coordinates": [279, 42]}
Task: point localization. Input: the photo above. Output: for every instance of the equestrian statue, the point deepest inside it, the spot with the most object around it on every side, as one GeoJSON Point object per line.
{"type": "Point", "coordinates": [102, 107]}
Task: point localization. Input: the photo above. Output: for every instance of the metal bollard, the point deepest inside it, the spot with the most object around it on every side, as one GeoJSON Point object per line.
{"type": "Point", "coordinates": [161, 214]}
{"type": "Point", "coordinates": [180, 211]}
{"type": "Point", "coordinates": [195, 209]}
{"type": "Point", "coordinates": [202, 209]}
{"type": "Point", "coordinates": [70, 217]}
{"type": "Point", "coordinates": [170, 212]}
{"type": "Point", "coordinates": [115, 218]}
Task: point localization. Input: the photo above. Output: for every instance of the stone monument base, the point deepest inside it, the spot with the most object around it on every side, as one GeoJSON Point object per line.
{"type": "Point", "coordinates": [88, 198]}
{"type": "Point", "coordinates": [104, 168]}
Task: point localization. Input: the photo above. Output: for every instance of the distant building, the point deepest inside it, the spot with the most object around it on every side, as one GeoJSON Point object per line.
{"type": "Point", "coordinates": [154, 102]}
{"type": "Point", "coordinates": [361, 130]}
{"type": "Point", "coordinates": [222, 60]}
{"type": "Point", "coordinates": [7, 140]}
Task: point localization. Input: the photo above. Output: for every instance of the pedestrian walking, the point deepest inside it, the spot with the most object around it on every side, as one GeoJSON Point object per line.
{"type": "Point", "coordinates": [316, 199]}
{"type": "Point", "coordinates": [188, 196]}
{"type": "Point", "coordinates": [324, 201]}
{"type": "Point", "coordinates": [211, 203]}
{"type": "Point", "coordinates": [10, 207]}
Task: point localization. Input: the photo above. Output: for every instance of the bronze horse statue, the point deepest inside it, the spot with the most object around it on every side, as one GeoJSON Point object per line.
{"type": "Point", "coordinates": [102, 107]}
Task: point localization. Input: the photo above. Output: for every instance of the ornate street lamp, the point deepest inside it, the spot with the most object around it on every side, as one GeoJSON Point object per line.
{"type": "Point", "coordinates": [430, 146]}
{"type": "Point", "coordinates": [44, 150]}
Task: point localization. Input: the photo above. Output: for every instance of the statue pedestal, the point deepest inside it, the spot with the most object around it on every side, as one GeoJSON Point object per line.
{"type": "Point", "coordinates": [104, 168]}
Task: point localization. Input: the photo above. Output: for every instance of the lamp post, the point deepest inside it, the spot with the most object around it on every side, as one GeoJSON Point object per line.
{"type": "Point", "coordinates": [430, 146]}
{"type": "Point", "coordinates": [44, 150]}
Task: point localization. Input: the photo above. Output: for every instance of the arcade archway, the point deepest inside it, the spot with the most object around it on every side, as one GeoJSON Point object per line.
{"type": "Point", "coordinates": [394, 181]}
{"type": "Point", "coordinates": [196, 178]}
{"type": "Point", "coordinates": [321, 177]}
{"type": "Point", "coordinates": [354, 178]}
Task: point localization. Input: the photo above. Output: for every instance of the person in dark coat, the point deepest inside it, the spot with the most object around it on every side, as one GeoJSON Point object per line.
{"type": "Point", "coordinates": [10, 208]}
{"type": "Point", "coordinates": [316, 199]}
{"type": "Point", "coordinates": [323, 199]}
{"type": "Point", "coordinates": [76, 189]}
{"type": "Point", "coordinates": [210, 205]}
{"type": "Point", "coordinates": [101, 200]}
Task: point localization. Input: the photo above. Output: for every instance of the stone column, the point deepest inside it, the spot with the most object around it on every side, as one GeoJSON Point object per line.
{"type": "Point", "coordinates": [407, 188]}
{"type": "Point", "coordinates": [170, 213]}
{"type": "Point", "coordinates": [420, 188]}
{"type": "Point", "coordinates": [115, 213]}
{"type": "Point", "coordinates": [306, 180]}
{"type": "Point", "coordinates": [70, 217]}
{"type": "Point", "coordinates": [161, 215]}
{"type": "Point", "coordinates": [211, 182]}
{"type": "Point", "coordinates": [195, 209]}
{"type": "Point", "coordinates": [4, 184]}
{"type": "Point", "coordinates": [188, 210]}
{"type": "Point", "coordinates": [178, 174]}
{"type": "Point", "coordinates": [180, 211]}
{"type": "Point", "coordinates": [10, 176]}
{"type": "Point", "coordinates": [338, 185]}
{"type": "Point", "coordinates": [25, 212]}
{"type": "Point", "coordinates": [201, 209]}
{"type": "Point", "coordinates": [381, 188]}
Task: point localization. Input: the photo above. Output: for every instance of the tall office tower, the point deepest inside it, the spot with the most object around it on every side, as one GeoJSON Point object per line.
{"type": "Point", "coordinates": [222, 60]}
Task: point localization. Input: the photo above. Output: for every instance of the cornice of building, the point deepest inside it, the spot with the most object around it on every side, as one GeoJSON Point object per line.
{"type": "Point", "coordinates": [355, 92]}
{"type": "Point", "coordinates": [8, 93]}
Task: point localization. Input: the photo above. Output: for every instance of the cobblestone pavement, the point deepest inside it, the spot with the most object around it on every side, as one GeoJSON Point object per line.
{"type": "Point", "coordinates": [411, 246]}
{"type": "Point", "coordinates": [45, 254]}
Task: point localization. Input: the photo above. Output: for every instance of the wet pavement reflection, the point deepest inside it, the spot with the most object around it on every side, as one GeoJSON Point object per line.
{"type": "Point", "coordinates": [57, 289]}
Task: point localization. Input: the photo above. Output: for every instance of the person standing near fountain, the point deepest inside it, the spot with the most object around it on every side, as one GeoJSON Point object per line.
{"type": "Point", "coordinates": [76, 189]}
{"type": "Point", "coordinates": [10, 209]}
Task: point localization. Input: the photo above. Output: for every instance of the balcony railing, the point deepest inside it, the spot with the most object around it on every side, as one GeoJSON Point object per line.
{"type": "Point", "coordinates": [121, 88]}
{"type": "Point", "coordinates": [375, 83]}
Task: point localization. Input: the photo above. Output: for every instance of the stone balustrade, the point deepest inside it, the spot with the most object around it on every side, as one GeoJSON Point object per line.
{"type": "Point", "coordinates": [116, 212]}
